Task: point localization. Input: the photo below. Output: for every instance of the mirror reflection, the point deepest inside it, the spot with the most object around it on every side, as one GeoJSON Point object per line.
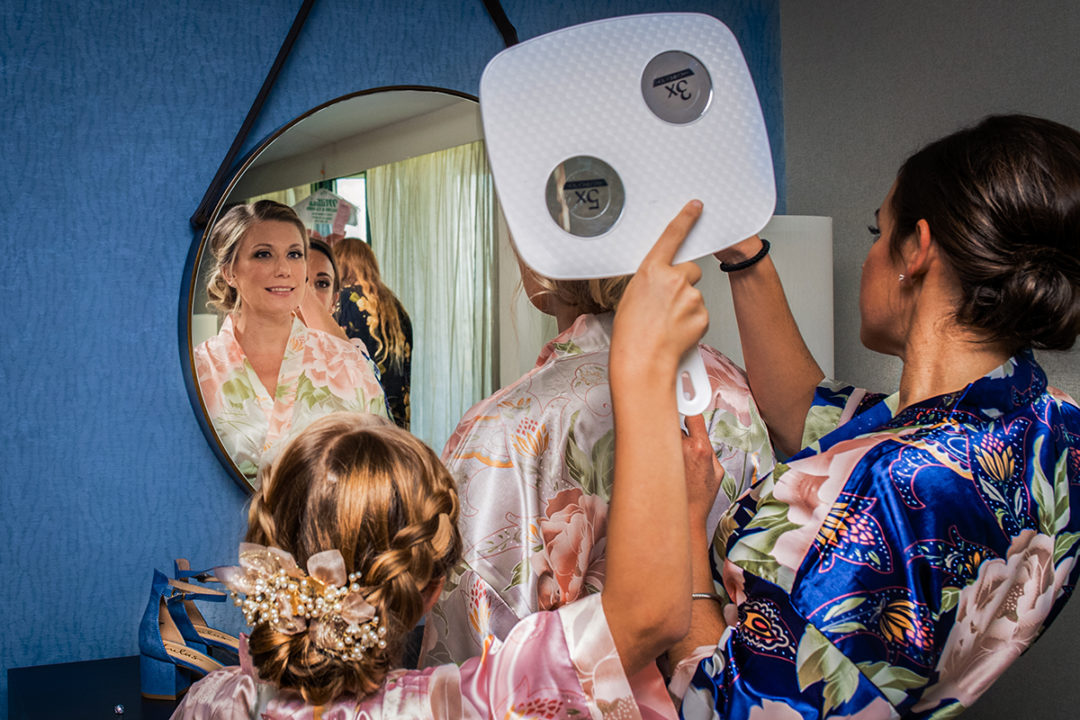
{"type": "Point", "coordinates": [278, 361]}
{"type": "Point", "coordinates": [351, 265]}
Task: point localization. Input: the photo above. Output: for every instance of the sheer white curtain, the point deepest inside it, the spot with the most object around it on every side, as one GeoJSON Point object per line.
{"type": "Point", "coordinates": [433, 230]}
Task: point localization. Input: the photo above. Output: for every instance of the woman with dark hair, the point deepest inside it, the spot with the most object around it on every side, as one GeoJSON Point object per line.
{"type": "Point", "coordinates": [371, 313]}
{"type": "Point", "coordinates": [917, 544]}
{"type": "Point", "coordinates": [279, 360]}
{"type": "Point", "coordinates": [323, 274]}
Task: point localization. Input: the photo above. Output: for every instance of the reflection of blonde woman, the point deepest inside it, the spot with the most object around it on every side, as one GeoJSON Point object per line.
{"type": "Point", "coordinates": [268, 372]}
{"type": "Point", "coordinates": [534, 464]}
{"type": "Point", "coordinates": [369, 311]}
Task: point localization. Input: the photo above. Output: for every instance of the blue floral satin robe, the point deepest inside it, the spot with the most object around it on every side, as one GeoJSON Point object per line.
{"type": "Point", "coordinates": [900, 562]}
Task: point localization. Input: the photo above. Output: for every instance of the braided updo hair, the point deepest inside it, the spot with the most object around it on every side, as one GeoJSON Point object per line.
{"type": "Point", "coordinates": [1002, 200]}
{"type": "Point", "coordinates": [360, 484]}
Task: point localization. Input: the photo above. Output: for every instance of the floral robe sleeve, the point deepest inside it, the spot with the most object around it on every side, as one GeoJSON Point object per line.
{"type": "Point", "coordinates": [534, 468]}
{"type": "Point", "coordinates": [898, 564]}
{"type": "Point", "coordinates": [319, 374]}
{"type": "Point", "coordinates": [559, 664]}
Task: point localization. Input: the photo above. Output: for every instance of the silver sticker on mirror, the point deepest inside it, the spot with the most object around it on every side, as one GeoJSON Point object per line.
{"type": "Point", "coordinates": [676, 87]}
{"type": "Point", "coordinates": [585, 196]}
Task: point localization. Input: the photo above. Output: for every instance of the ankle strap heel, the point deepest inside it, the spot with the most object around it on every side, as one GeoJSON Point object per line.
{"type": "Point", "coordinates": [161, 679]}
{"type": "Point", "coordinates": [182, 571]}
{"type": "Point", "coordinates": [163, 650]}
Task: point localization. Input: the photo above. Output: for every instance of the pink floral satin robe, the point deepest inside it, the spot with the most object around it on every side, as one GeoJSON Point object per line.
{"type": "Point", "coordinates": [319, 374]}
{"type": "Point", "coordinates": [534, 469]}
{"type": "Point", "coordinates": [560, 664]}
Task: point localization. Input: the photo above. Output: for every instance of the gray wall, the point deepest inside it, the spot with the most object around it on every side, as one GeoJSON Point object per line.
{"type": "Point", "coordinates": [866, 84]}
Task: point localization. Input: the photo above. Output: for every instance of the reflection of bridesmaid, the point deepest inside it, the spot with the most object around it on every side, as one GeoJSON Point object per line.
{"type": "Point", "coordinates": [323, 274]}
{"type": "Point", "coordinates": [369, 311]}
{"type": "Point", "coordinates": [267, 374]}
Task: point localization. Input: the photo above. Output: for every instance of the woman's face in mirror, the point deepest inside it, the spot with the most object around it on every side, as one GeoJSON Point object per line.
{"type": "Point", "coordinates": [321, 276]}
{"type": "Point", "coordinates": [269, 271]}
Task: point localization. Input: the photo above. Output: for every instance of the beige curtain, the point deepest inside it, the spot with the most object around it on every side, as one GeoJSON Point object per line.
{"type": "Point", "coordinates": [433, 230]}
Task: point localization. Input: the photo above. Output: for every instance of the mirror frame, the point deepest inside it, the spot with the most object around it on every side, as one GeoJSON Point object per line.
{"type": "Point", "coordinates": [195, 256]}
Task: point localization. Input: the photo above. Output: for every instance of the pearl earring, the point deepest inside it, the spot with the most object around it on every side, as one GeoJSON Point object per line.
{"type": "Point", "coordinates": [901, 278]}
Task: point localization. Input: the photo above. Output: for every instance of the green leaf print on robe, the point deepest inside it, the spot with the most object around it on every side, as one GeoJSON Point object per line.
{"type": "Point", "coordinates": [894, 682]}
{"type": "Point", "coordinates": [818, 660]}
{"type": "Point", "coordinates": [310, 395]}
{"type": "Point", "coordinates": [754, 550]}
{"type": "Point", "coordinates": [594, 472]}
{"type": "Point", "coordinates": [567, 348]}
{"type": "Point", "coordinates": [1053, 502]}
{"type": "Point", "coordinates": [726, 430]}
{"type": "Point", "coordinates": [237, 392]}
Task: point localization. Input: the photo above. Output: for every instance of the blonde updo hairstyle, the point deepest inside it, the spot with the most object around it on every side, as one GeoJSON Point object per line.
{"type": "Point", "coordinates": [225, 241]}
{"type": "Point", "coordinates": [362, 485]}
{"type": "Point", "coordinates": [596, 295]}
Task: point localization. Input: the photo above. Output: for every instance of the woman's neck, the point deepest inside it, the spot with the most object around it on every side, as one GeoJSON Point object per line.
{"type": "Point", "coordinates": [939, 362]}
{"type": "Point", "coordinates": [565, 316]}
{"type": "Point", "coordinates": [260, 334]}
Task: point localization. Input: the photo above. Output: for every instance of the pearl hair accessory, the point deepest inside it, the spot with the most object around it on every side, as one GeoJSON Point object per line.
{"type": "Point", "coordinates": [325, 603]}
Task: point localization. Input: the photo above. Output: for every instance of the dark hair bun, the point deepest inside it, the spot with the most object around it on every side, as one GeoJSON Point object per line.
{"type": "Point", "coordinates": [1002, 200]}
{"type": "Point", "coordinates": [1037, 303]}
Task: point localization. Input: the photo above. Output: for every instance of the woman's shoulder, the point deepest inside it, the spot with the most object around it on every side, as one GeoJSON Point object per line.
{"type": "Point", "coordinates": [331, 343]}
{"type": "Point", "coordinates": [225, 694]}
{"type": "Point", "coordinates": [715, 359]}
{"type": "Point", "coordinates": [1065, 404]}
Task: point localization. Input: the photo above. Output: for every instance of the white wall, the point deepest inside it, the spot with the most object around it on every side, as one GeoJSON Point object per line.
{"type": "Point", "coordinates": [865, 85]}
{"type": "Point", "coordinates": [802, 253]}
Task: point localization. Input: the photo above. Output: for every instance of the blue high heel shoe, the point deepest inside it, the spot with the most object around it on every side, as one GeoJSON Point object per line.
{"type": "Point", "coordinates": [182, 571]}
{"type": "Point", "coordinates": [163, 653]}
{"type": "Point", "coordinates": [180, 597]}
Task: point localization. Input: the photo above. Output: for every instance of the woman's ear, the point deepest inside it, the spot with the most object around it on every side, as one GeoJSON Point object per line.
{"type": "Point", "coordinates": [918, 256]}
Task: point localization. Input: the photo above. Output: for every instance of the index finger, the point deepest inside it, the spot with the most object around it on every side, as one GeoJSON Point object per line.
{"type": "Point", "coordinates": [671, 239]}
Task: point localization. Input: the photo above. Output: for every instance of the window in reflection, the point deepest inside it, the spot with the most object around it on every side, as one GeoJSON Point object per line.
{"type": "Point", "coordinates": [354, 189]}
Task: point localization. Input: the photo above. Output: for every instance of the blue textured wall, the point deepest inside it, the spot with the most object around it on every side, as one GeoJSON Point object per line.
{"type": "Point", "coordinates": [115, 116]}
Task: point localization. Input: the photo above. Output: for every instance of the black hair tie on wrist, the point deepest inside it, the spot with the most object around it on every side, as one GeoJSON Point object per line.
{"type": "Point", "coordinates": [743, 264]}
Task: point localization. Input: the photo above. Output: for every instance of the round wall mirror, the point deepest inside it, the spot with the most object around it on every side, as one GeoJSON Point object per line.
{"type": "Point", "coordinates": [402, 169]}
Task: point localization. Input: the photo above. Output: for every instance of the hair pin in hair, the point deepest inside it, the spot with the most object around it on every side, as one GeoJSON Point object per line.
{"type": "Point", "coordinates": [323, 601]}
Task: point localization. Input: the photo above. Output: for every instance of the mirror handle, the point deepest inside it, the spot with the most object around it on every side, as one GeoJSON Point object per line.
{"type": "Point", "coordinates": [693, 392]}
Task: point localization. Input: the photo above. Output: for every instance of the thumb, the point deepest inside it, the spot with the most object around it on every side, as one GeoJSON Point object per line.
{"type": "Point", "coordinates": [695, 427]}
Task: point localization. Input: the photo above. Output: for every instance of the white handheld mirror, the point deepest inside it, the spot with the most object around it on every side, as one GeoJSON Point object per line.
{"type": "Point", "coordinates": [599, 133]}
